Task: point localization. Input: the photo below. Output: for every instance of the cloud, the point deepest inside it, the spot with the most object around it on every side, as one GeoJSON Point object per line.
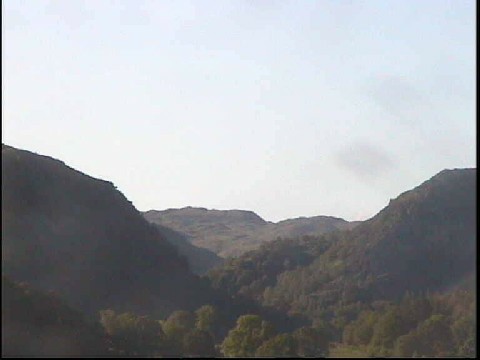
{"type": "Point", "coordinates": [365, 160]}
{"type": "Point", "coordinates": [400, 98]}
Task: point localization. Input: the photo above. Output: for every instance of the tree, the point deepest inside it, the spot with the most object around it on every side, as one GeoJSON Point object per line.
{"type": "Point", "coordinates": [387, 329]}
{"type": "Point", "coordinates": [436, 337]}
{"type": "Point", "coordinates": [406, 345]}
{"type": "Point", "coordinates": [133, 335]}
{"type": "Point", "coordinates": [206, 318]}
{"type": "Point", "coordinates": [311, 342]}
{"type": "Point", "coordinates": [198, 343]}
{"type": "Point", "coordinates": [283, 345]}
{"type": "Point", "coordinates": [176, 327]}
{"type": "Point", "coordinates": [249, 333]}
{"type": "Point", "coordinates": [463, 331]}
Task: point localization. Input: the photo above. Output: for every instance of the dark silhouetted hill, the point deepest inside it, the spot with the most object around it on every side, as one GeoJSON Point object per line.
{"type": "Point", "coordinates": [67, 232]}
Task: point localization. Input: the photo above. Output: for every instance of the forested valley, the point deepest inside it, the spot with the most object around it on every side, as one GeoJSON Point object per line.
{"type": "Point", "coordinates": [84, 273]}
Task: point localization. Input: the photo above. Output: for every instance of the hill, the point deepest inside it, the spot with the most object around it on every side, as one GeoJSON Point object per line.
{"type": "Point", "coordinates": [67, 232]}
{"type": "Point", "coordinates": [424, 240]}
{"type": "Point", "coordinates": [200, 260]}
{"type": "Point", "coordinates": [79, 237]}
{"type": "Point", "coordinates": [234, 232]}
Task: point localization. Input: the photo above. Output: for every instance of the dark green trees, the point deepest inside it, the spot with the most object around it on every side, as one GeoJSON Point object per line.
{"type": "Point", "coordinates": [254, 337]}
{"type": "Point", "coordinates": [189, 334]}
{"type": "Point", "coordinates": [283, 345]}
{"type": "Point", "coordinates": [198, 343]}
{"type": "Point", "coordinates": [311, 342]}
{"type": "Point", "coordinates": [133, 335]}
{"type": "Point", "coordinates": [207, 319]}
{"type": "Point", "coordinates": [247, 336]}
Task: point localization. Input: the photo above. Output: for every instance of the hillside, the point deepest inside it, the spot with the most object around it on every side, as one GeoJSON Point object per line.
{"type": "Point", "coordinates": [398, 284]}
{"type": "Point", "coordinates": [424, 240]}
{"type": "Point", "coordinates": [234, 232]}
{"type": "Point", "coordinates": [67, 232]}
{"type": "Point", "coordinates": [199, 259]}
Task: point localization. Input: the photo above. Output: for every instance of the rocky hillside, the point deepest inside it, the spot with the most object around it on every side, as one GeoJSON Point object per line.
{"type": "Point", "coordinates": [234, 232]}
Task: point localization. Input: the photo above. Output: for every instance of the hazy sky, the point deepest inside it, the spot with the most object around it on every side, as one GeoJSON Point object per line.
{"type": "Point", "coordinates": [287, 108]}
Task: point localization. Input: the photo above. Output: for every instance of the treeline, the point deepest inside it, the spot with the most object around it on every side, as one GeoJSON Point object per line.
{"type": "Point", "coordinates": [431, 326]}
{"type": "Point", "coordinates": [36, 324]}
{"type": "Point", "coordinates": [196, 334]}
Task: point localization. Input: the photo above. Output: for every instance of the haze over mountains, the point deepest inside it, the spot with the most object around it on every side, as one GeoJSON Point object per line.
{"type": "Point", "coordinates": [356, 284]}
{"type": "Point", "coordinates": [233, 232]}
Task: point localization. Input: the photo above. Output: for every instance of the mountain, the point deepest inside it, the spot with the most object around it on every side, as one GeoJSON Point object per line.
{"type": "Point", "coordinates": [78, 236]}
{"type": "Point", "coordinates": [200, 260]}
{"type": "Point", "coordinates": [424, 240]}
{"type": "Point", "coordinates": [234, 232]}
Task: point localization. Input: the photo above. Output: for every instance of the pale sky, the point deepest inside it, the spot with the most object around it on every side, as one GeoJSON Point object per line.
{"type": "Point", "coordinates": [286, 108]}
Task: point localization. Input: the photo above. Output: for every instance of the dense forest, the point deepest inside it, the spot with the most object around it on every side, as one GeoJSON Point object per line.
{"type": "Point", "coordinates": [85, 274]}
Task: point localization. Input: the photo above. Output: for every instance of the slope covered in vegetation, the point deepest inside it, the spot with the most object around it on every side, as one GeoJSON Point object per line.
{"type": "Point", "coordinates": [234, 232]}
{"type": "Point", "coordinates": [200, 259]}
{"type": "Point", "coordinates": [422, 241]}
{"type": "Point", "coordinates": [80, 237]}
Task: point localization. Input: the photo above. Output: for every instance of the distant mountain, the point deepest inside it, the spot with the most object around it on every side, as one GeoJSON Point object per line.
{"type": "Point", "coordinates": [234, 232]}
{"type": "Point", "coordinates": [79, 237]}
{"type": "Point", "coordinates": [425, 240]}
{"type": "Point", "coordinates": [67, 232]}
{"type": "Point", "coordinates": [200, 260]}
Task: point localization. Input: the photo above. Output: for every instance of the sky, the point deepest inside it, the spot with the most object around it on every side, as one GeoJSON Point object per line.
{"type": "Point", "coordinates": [287, 108]}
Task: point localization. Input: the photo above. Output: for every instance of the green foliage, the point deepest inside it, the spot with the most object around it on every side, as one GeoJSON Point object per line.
{"type": "Point", "coordinates": [311, 342]}
{"type": "Point", "coordinates": [387, 329]}
{"type": "Point", "coordinates": [434, 337]}
{"type": "Point", "coordinates": [283, 345]}
{"type": "Point", "coordinates": [412, 327]}
{"type": "Point", "coordinates": [176, 328]}
{"type": "Point", "coordinates": [180, 319]}
{"type": "Point", "coordinates": [134, 335]}
{"type": "Point", "coordinates": [253, 272]}
{"type": "Point", "coordinates": [249, 333]}
{"type": "Point", "coordinates": [207, 318]}
{"type": "Point", "coordinates": [425, 239]}
{"type": "Point", "coordinates": [198, 343]}
{"type": "Point", "coordinates": [360, 331]}
{"type": "Point", "coordinates": [406, 345]}
{"type": "Point", "coordinates": [464, 334]}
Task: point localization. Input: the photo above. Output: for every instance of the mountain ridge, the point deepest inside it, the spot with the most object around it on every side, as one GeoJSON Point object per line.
{"type": "Point", "coordinates": [233, 232]}
{"type": "Point", "coordinates": [425, 239]}
{"type": "Point", "coordinates": [77, 235]}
